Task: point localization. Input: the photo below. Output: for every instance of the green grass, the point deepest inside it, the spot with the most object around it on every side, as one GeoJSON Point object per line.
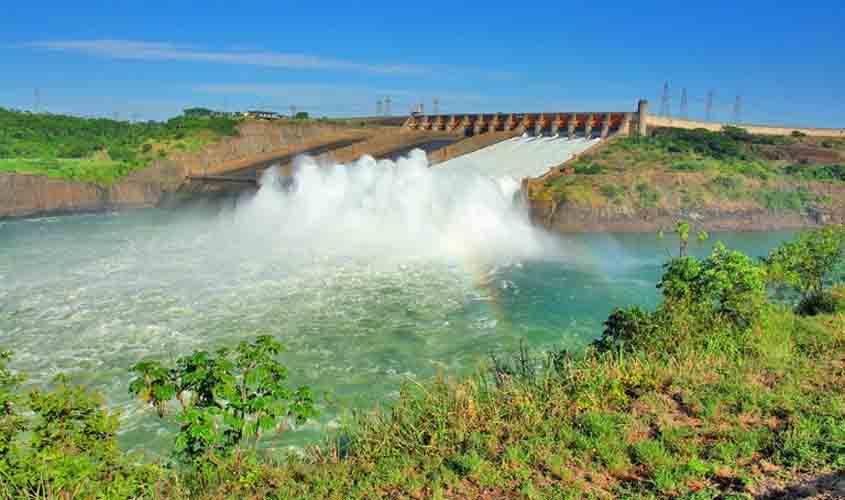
{"type": "Point", "coordinates": [99, 150]}
{"type": "Point", "coordinates": [103, 172]}
{"type": "Point", "coordinates": [795, 200]}
{"type": "Point", "coordinates": [696, 169]}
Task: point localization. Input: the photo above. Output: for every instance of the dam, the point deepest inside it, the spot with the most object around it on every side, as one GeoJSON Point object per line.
{"type": "Point", "coordinates": [375, 271]}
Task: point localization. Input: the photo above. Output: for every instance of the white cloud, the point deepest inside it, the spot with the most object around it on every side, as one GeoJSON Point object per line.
{"type": "Point", "coordinates": [157, 51]}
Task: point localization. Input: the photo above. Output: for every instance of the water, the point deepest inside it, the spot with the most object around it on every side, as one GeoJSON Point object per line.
{"type": "Point", "coordinates": [512, 160]}
{"type": "Point", "coordinates": [370, 274]}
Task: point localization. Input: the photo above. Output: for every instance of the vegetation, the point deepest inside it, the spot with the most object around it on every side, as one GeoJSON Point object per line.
{"type": "Point", "coordinates": [706, 396]}
{"type": "Point", "coordinates": [98, 149]}
{"type": "Point", "coordinates": [808, 265]}
{"type": "Point", "coordinates": [224, 397]}
{"type": "Point", "coordinates": [678, 169]}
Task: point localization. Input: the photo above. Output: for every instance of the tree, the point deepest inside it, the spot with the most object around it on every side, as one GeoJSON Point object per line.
{"type": "Point", "coordinates": [726, 283]}
{"type": "Point", "coordinates": [807, 263]}
{"type": "Point", "coordinates": [302, 115]}
{"type": "Point", "coordinates": [225, 397]}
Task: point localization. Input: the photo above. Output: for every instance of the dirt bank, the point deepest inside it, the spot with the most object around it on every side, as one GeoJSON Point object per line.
{"type": "Point", "coordinates": [24, 195]}
{"type": "Point", "coordinates": [624, 219]}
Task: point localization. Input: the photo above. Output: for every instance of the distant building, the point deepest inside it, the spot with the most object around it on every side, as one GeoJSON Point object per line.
{"type": "Point", "coordinates": [263, 115]}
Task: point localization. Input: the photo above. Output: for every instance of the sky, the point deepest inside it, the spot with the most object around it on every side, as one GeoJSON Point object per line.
{"type": "Point", "coordinates": [149, 59]}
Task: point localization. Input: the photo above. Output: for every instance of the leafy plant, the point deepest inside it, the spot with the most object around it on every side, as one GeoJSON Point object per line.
{"type": "Point", "coordinates": [817, 172]}
{"type": "Point", "coordinates": [612, 192]}
{"type": "Point", "coordinates": [727, 284]}
{"type": "Point", "coordinates": [11, 422]}
{"type": "Point", "coordinates": [225, 397]}
{"type": "Point", "coordinates": [806, 263]}
{"type": "Point", "coordinates": [587, 168]}
{"type": "Point", "coordinates": [649, 198]}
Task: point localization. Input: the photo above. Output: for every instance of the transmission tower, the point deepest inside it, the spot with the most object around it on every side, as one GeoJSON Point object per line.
{"type": "Point", "coordinates": [378, 108]}
{"type": "Point", "coordinates": [738, 110]}
{"type": "Point", "coordinates": [665, 101]}
{"type": "Point", "coordinates": [708, 109]}
{"type": "Point", "coordinates": [435, 108]}
{"type": "Point", "coordinates": [292, 111]}
{"type": "Point", "coordinates": [387, 106]}
{"type": "Point", "coordinates": [684, 104]}
{"type": "Point", "coordinates": [37, 100]}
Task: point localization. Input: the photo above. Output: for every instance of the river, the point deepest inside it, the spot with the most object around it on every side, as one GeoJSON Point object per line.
{"type": "Point", "coordinates": [370, 276]}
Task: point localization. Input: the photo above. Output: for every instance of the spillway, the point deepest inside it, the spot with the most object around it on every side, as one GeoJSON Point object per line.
{"type": "Point", "coordinates": [520, 157]}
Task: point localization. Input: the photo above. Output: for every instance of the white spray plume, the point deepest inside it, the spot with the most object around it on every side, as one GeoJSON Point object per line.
{"type": "Point", "coordinates": [390, 210]}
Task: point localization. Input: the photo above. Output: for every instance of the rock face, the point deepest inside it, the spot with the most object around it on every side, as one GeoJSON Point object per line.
{"type": "Point", "coordinates": [24, 195]}
{"type": "Point", "coordinates": [566, 219]}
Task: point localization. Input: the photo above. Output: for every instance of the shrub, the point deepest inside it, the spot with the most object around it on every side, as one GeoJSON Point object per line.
{"type": "Point", "coordinates": [587, 168]}
{"type": "Point", "coordinates": [61, 441]}
{"type": "Point", "coordinates": [792, 200]}
{"type": "Point", "coordinates": [808, 261]}
{"type": "Point", "coordinates": [727, 284]}
{"type": "Point", "coordinates": [612, 192]}
{"type": "Point", "coordinates": [648, 197]}
{"type": "Point", "coordinates": [817, 172]}
{"type": "Point", "coordinates": [737, 133]}
{"type": "Point", "coordinates": [689, 166]}
{"type": "Point", "coordinates": [822, 303]}
{"type": "Point", "coordinates": [224, 397]}
{"type": "Point", "coordinates": [627, 328]}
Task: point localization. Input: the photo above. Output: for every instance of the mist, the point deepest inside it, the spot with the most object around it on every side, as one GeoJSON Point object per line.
{"type": "Point", "coordinates": [388, 211]}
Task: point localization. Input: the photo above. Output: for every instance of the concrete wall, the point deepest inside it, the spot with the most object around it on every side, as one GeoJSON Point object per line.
{"type": "Point", "coordinates": [467, 146]}
{"type": "Point", "coordinates": [382, 144]}
{"type": "Point", "coordinates": [557, 122]}
{"type": "Point", "coordinates": [262, 140]}
{"type": "Point", "coordinates": [660, 121]}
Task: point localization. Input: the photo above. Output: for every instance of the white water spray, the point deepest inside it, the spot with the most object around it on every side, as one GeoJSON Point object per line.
{"type": "Point", "coordinates": [389, 210]}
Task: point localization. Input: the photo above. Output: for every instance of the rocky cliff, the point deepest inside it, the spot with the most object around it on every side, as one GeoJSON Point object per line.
{"type": "Point", "coordinates": [566, 219]}
{"type": "Point", "coordinates": [24, 195]}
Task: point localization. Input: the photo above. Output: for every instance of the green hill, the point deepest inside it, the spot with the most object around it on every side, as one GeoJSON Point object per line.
{"type": "Point", "coordinates": [676, 170]}
{"type": "Point", "coordinates": [98, 149]}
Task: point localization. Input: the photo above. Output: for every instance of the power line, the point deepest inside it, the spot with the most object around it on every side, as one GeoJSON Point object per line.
{"type": "Point", "coordinates": [738, 110]}
{"type": "Point", "coordinates": [665, 102]}
{"type": "Point", "coordinates": [684, 104]}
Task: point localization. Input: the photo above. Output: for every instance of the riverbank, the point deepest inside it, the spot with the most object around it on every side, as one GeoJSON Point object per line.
{"type": "Point", "coordinates": [56, 164]}
{"type": "Point", "coordinates": [728, 180]}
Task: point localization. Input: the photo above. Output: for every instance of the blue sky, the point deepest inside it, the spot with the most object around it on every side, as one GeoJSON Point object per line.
{"type": "Point", "coordinates": [150, 59]}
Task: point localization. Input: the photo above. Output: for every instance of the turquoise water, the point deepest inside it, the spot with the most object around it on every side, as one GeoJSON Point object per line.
{"type": "Point", "coordinates": [91, 295]}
